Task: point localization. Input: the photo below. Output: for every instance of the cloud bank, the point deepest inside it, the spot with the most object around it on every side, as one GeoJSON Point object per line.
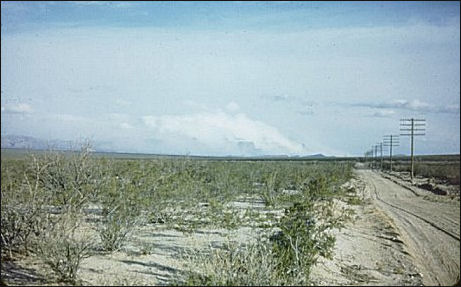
{"type": "Point", "coordinates": [412, 105]}
{"type": "Point", "coordinates": [20, 108]}
{"type": "Point", "coordinates": [220, 129]}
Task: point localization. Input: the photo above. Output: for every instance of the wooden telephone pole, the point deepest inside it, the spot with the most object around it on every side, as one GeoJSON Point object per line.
{"type": "Point", "coordinates": [375, 156]}
{"type": "Point", "coordinates": [391, 141]}
{"type": "Point", "coordinates": [368, 157]}
{"type": "Point", "coordinates": [415, 127]}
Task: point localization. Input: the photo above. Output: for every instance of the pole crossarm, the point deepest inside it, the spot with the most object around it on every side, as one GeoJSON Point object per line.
{"type": "Point", "coordinates": [380, 146]}
{"type": "Point", "coordinates": [408, 130]}
{"type": "Point", "coordinates": [412, 127]}
{"type": "Point", "coordinates": [391, 141]}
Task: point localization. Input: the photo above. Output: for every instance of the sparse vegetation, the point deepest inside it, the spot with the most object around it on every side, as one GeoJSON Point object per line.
{"type": "Point", "coordinates": [115, 227]}
{"type": "Point", "coordinates": [63, 247]}
{"type": "Point", "coordinates": [446, 168]}
{"type": "Point", "coordinates": [48, 200]}
{"type": "Point", "coordinates": [234, 265]}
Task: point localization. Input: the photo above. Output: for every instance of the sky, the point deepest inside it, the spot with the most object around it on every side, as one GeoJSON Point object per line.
{"type": "Point", "coordinates": [232, 78]}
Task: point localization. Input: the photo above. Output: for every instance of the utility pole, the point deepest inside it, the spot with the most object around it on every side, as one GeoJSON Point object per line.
{"type": "Point", "coordinates": [381, 152]}
{"type": "Point", "coordinates": [412, 125]}
{"type": "Point", "coordinates": [367, 157]}
{"type": "Point", "coordinates": [375, 158]}
{"type": "Point", "coordinates": [372, 157]}
{"type": "Point", "coordinates": [391, 141]}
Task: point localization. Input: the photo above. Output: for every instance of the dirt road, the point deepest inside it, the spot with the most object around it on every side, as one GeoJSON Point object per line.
{"type": "Point", "coordinates": [429, 227]}
{"type": "Point", "coordinates": [400, 236]}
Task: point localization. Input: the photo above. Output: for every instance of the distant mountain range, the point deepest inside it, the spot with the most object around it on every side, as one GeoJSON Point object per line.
{"type": "Point", "coordinates": [318, 155]}
{"type": "Point", "coordinates": [28, 142]}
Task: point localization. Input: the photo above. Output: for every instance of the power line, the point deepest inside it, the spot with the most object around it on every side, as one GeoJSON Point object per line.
{"type": "Point", "coordinates": [375, 158]}
{"type": "Point", "coordinates": [368, 156]}
{"type": "Point", "coordinates": [391, 141]}
{"type": "Point", "coordinates": [408, 125]}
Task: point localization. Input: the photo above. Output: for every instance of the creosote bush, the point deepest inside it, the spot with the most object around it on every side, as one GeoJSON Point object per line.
{"type": "Point", "coordinates": [288, 256]}
{"type": "Point", "coordinates": [45, 200]}
{"type": "Point", "coordinates": [72, 179]}
{"type": "Point", "coordinates": [63, 249]}
{"type": "Point", "coordinates": [41, 204]}
{"type": "Point", "coordinates": [120, 201]}
{"type": "Point", "coordinates": [233, 265]}
{"type": "Point", "coordinates": [23, 211]}
{"type": "Point", "coordinates": [115, 227]}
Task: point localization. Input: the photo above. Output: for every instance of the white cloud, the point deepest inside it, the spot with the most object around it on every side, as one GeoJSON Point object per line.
{"type": "Point", "coordinates": [453, 108]}
{"type": "Point", "coordinates": [122, 4]}
{"type": "Point", "coordinates": [306, 112]}
{"type": "Point", "coordinates": [219, 128]}
{"type": "Point", "coordinates": [89, 3]}
{"type": "Point", "coordinates": [383, 113]}
{"type": "Point", "coordinates": [123, 103]}
{"type": "Point", "coordinates": [68, 118]}
{"type": "Point", "coordinates": [114, 4]}
{"type": "Point", "coordinates": [194, 105]}
{"type": "Point", "coordinates": [232, 107]}
{"type": "Point", "coordinates": [17, 108]}
{"type": "Point", "coordinates": [282, 98]}
{"type": "Point", "coordinates": [161, 68]}
{"type": "Point", "coordinates": [126, 126]}
{"type": "Point", "coordinates": [413, 105]}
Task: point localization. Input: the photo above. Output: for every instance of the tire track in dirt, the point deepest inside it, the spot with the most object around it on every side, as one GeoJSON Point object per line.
{"type": "Point", "coordinates": [417, 216]}
{"type": "Point", "coordinates": [429, 229]}
{"type": "Point", "coordinates": [368, 250]}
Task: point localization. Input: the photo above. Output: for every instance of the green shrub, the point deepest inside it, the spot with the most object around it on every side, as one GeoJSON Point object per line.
{"type": "Point", "coordinates": [73, 178]}
{"type": "Point", "coordinates": [116, 225]}
{"type": "Point", "coordinates": [234, 265]}
{"type": "Point", "coordinates": [63, 248]}
{"type": "Point", "coordinates": [300, 241]}
{"type": "Point", "coordinates": [23, 213]}
{"type": "Point", "coordinates": [120, 212]}
{"type": "Point", "coordinates": [304, 235]}
{"type": "Point", "coordinates": [41, 192]}
{"type": "Point", "coordinates": [287, 258]}
{"type": "Point", "coordinates": [39, 210]}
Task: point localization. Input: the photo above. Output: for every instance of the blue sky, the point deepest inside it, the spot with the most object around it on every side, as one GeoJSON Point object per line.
{"type": "Point", "coordinates": [232, 78]}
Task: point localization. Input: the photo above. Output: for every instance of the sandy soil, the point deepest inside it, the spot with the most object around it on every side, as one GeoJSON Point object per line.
{"type": "Point", "coordinates": [401, 236]}
{"type": "Point", "coordinates": [429, 225]}
{"type": "Point", "coordinates": [153, 255]}
{"type": "Point", "coordinates": [436, 186]}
